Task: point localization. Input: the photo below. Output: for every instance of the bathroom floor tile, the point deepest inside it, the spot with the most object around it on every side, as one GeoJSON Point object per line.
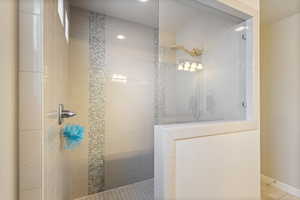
{"type": "Point", "coordinates": [270, 192]}
{"type": "Point", "coordinates": [264, 187]}
{"type": "Point", "coordinates": [290, 197]}
{"type": "Point", "coordinates": [266, 197]}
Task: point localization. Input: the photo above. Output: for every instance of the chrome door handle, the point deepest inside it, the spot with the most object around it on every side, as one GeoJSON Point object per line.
{"type": "Point", "coordinates": [62, 114]}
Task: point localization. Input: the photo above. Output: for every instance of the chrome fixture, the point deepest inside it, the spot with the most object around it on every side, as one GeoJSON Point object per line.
{"type": "Point", "coordinates": [241, 28]}
{"type": "Point", "coordinates": [62, 114]}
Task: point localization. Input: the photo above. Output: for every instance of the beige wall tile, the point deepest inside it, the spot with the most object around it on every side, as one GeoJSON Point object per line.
{"type": "Point", "coordinates": [30, 6]}
{"type": "Point", "coordinates": [30, 177]}
{"type": "Point", "coordinates": [30, 42]}
{"type": "Point", "coordinates": [30, 160]}
{"type": "Point", "coordinates": [30, 101]}
{"type": "Point", "coordinates": [30, 148]}
{"type": "Point", "coordinates": [35, 194]}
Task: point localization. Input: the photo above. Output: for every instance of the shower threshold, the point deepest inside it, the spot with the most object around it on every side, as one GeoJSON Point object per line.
{"type": "Point", "coordinates": [137, 191]}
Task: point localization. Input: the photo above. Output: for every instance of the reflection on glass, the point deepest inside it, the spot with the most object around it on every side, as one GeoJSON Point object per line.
{"type": "Point", "coordinates": [202, 63]}
{"type": "Point", "coordinates": [119, 78]}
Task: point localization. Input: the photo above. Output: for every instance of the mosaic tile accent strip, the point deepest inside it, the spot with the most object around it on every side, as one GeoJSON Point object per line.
{"type": "Point", "coordinates": [96, 103]}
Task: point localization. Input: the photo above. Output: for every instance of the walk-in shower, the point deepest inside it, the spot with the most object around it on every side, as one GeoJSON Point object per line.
{"type": "Point", "coordinates": [131, 65]}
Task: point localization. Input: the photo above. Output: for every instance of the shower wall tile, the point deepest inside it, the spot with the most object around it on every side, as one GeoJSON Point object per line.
{"type": "Point", "coordinates": [129, 141]}
{"type": "Point", "coordinates": [30, 177]}
{"type": "Point", "coordinates": [30, 6]}
{"type": "Point", "coordinates": [146, 161]}
{"type": "Point", "coordinates": [35, 194]}
{"type": "Point", "coordinates": [30, 42]}
{"type": "Point", "coordinates": [79, 177]}
{"type": "Point", "coordinates": [30, 148]}
{"type": "Point", "coordinates": [30, 160]}
{"type": "Point", "coordinates": [128, 167]}
{"type": "Point", "coordinates": [30, 101]}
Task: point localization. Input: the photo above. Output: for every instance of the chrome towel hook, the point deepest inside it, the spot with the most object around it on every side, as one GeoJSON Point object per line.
{"type": "Point", "coordinates": [62, 114]}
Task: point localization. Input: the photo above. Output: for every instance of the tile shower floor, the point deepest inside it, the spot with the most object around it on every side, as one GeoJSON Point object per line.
{"type": "Point", "coordinates": [138, 191]}
{"type": "Point", "coordinates": [144, 191]}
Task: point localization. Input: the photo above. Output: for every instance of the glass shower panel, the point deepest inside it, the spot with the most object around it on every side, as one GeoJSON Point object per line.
{"type": "Point", "coordinates": [113, 64]}
{"type": "Point", "coordinates": [202, 63]}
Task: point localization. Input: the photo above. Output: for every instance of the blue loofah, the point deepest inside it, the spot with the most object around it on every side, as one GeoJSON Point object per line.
{"type": "Point", "coordinates": [73, 134]}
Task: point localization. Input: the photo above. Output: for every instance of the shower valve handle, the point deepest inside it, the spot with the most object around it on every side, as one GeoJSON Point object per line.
{"type": "Point", "coordinates": [62, 114]}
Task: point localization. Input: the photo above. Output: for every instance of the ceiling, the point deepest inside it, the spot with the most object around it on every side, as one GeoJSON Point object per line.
{"type": "Point", "coordinates": [131, 10]}
{"type": "Point", "coordinates": [274, 10]}
{"type": "Point", "coordinates": [147, 13]}
{"type": "Point", "coordinates": [173, 13]}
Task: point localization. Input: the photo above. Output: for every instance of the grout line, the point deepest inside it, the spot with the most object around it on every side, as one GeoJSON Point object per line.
{"type": "Point", "coordinates": [21, 10]}
{"type": "Point", "coordinates": [29, 131]}
{"type": "Point", "coordinates": [31, 71]}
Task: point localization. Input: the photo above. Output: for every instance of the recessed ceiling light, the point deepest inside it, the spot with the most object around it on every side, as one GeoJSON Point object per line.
{"type": "Point", "coordinates": [143, 1]}
{"type": "Point", "coordinates": [121, 37]}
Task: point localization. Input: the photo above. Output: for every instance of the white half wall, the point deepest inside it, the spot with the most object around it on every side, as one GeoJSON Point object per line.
{"type": "Point", "coordinates": [207, 160]}
{"type": "Point", "coordinates": [213, 167]}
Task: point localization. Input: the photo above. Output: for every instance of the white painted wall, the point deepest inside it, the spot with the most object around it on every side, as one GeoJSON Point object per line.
{"type": "Point", "coordinates": [8, 99]}
{"type": "Point", "coordinates": [255, 4]}
{"type": "Point", "coordinates": [275, 10]}
{"type": "Point", "coordinates": [280, 99]}
{"type": "Point", "coordinates": [252, 4]}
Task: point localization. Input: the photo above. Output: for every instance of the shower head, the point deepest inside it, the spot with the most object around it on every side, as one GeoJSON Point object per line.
{"type": "Point", "coordinates": [195, 52]}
